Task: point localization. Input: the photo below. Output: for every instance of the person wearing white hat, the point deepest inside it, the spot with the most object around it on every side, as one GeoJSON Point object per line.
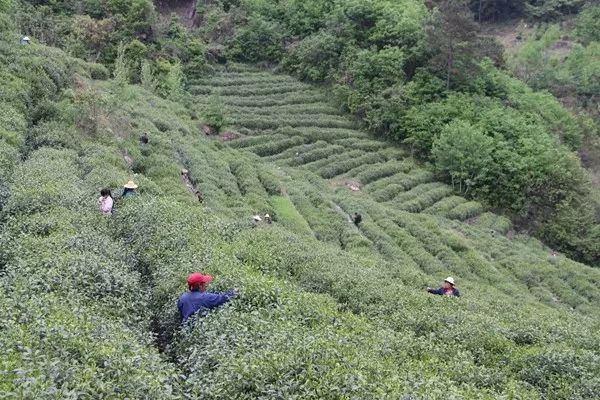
{"type": "Point", "coordinates": [268, 219]}
{"type": "Point", "coordinates": [447, 289]}
{"type": "Point", "coordinates": [256, 220]}
{"type": "Point", "coordinates": [25, 40]}
{"type": "Point", "coordinates": [129, 189]}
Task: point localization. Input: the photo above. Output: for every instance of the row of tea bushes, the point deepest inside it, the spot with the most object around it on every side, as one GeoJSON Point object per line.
{"type": "Point", "coordinates": [75, 318]}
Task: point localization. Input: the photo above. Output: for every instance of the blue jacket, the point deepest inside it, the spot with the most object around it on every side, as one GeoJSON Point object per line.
{"type": "Point", "coordinates": [192, 302]}
{"type": "Point", "coordinates": [128, 193]}
{"type": "Point", "coordinates": [441, 291]}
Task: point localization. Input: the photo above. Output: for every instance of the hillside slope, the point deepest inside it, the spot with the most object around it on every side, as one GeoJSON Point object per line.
{"type": "Point", "coordinates": [326, 310]}
{"type": "Point", "coordinates": [329, 166]}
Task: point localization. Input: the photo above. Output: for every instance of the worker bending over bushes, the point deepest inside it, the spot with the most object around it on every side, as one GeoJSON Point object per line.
{"type": "Point", "coordinates": [129, 189]}
{"type": "Point", "coordinates": [447, 289]}
{"type": "Point", "coordinates": [197, 300]}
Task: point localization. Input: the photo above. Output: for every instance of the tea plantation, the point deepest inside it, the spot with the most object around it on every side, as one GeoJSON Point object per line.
{"type": "Point", "coordinates": [326, 309]}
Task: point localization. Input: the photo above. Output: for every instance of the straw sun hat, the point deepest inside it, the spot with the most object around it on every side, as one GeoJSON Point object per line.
{"type": "Point", "coordinates": [130, 185]}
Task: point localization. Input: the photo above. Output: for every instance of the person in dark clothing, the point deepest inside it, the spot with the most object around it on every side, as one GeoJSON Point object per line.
{"type": "Point", "coordinates": [197, 300]}
{"type": "Point", "coordinates": [144, 138]}
{"type": "Point", "coordinates": [447, 289]}
{"type": "Point", "coordinates": [357, 218]}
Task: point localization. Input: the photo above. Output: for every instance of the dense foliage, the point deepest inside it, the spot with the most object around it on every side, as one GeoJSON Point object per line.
{"type": "Point", "coordinates": [416, 74]}
{"type": "Point", "coordinates": [326, 309]}
{"type": "Point", "coordinates": [544, 10]}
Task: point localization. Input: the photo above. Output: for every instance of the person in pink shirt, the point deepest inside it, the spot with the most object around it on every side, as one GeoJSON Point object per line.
{"type": "Point", "coordinates": [105, 202]}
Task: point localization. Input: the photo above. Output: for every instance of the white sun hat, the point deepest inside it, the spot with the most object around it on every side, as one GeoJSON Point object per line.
{"type": "Point", "coordinates": [450, 280]}
{"type": "Point", "coordinates": [130, 185]}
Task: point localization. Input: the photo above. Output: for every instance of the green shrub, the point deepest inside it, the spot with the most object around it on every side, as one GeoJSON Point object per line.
{"type": "Point", "coordinates": [495, 222]}
{"type": "Point", "coordinates": [254, 140]}
{"type": "Point", "coordinates": [258, 40]}
{"type": "Point", "coordinates": [587, 27]}
{"type": "Point", "coordinates": [214, 113]}
{"type": "Point", "coordinates": [465, 210]}
{"type": "Point", "coordinates": [381, 171]}
{"type": "Point", "coordinates": [315, 58]}
{"type": "Point", "coordinates": [271, 148]}
{"type": "Point", "coordinates": [340, 167]}
{"type": "Point", "coordinates": [97, 71]}
{"type": "Point", "coordinates": [258, 89]}
{"type": "Point", "coordinates": [51, 134]}
{"type": "Point", "coordinates": [421, 190]}
{"type": "Point", "coordinates": [48, 177]}
{"type": "Point", "coordinates": [315, 154]}
{"type": "Point", "coordinates": [446, 204]}
{"type": "Point", "coordinates": [11, 120]}
{"type": "Point", "coordinates": [269, 181]}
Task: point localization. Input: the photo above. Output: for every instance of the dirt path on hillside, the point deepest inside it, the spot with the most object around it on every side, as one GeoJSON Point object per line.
{"type": "Point", "coordinates": [510, 34]}
{"type": "Point", "coordinates": [185, 9]}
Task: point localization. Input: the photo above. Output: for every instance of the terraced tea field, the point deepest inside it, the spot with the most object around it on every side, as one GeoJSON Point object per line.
{"type": "Point", "coordinates": [332, 168]}
{"type": "Point", "coordinates": [325, 309]}
{"type": "Point", "coordinates": [293, 125]}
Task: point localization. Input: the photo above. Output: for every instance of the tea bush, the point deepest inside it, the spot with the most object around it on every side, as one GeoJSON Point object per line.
{"type": "Point", "coordinates": [314, 134]}
{"type": "Point", "coordinates": [306, 109]}
{"type": "Point", "coordinates": [294, 120]}
{"type": "Point", "coordinates": [421, 190]}
{"type": "Point", "coordinates": [374, 173]}
{"type": "Point", "coordinates": [298, 97]}
{"type": "Point", "coordinates": [321, 152]}
{"type": "Point", "coordinates": [418, 202]}
{"type": "Point", "coordinates": [465, 210]}
{"type": "Point", "coordinates": [365, 145]}
{"type": "Point", "coordinates": [495, 222]}
{"type": "Point", "coordinates": [271, 148]}
{"type": "Point", "coordinates": [254, 140]}
{"type": "Point", "coordinates": [446, 204]}
{"type": "Point", "coordinates": [285, 156]}
{"type": "Point", "coordinates": [415, 177]}
{"type": "Point", "coordinates": [218, 80]}
{"type": "Point", "coordinates": [248, 90]}
{"type": "Point", "coordinates": [342, 166]}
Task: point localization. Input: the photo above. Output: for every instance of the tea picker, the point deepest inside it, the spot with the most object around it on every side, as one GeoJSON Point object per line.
{"type": "Point", "coordinates": [129, 189]}
{"type": "Point", "coordinates": [447, 289]}
{"type": "Point", "coordinates": [197, 300]}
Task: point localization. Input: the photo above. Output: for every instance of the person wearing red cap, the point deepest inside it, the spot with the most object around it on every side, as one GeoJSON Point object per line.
{"type": "Point", "coordinates": [197, 300]}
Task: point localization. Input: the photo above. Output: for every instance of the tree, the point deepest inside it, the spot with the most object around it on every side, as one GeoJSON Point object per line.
{"type": "Point", "coordinates": [213, 114]}
{"type": "Point", "coordinates": [452, 41]}
{"type": "Point", "coordinates": [93, 35]}
{"type": "Point", "coordinates": [463, 152]}
{"type": "Point", "coordinates": [174, 82]}
{"type": "Point", "coordinates": [588, 24]}
{"type": "Point", "coordinates": [121, 71]}
{"type": "Point", "coordinates": [147, 77]}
